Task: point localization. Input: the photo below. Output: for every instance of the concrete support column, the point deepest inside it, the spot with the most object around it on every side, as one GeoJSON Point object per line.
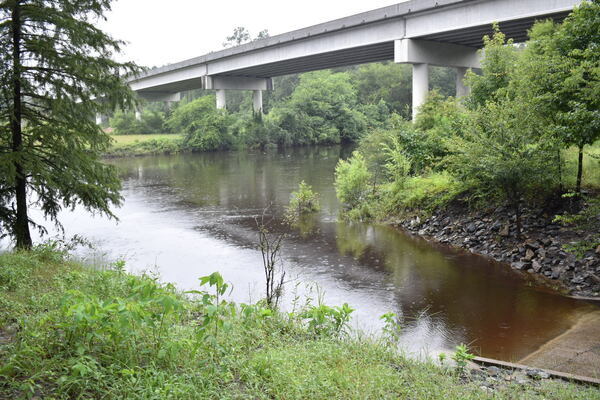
{"type": "Point", "coordinates": [98, 119]}
{"type": "Point", "coordinates": [257, 101]}
{"type": "Point", "coordinates": [420, 86]}
{"type": "Point", "coordinates": [138, 115]}
{"type": "Point", "coordinates": [221, 99]}
{"type": "Point", "coordinates": [461, 89]}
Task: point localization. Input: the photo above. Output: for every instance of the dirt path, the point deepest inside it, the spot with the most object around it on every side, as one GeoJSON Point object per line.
{"type": "Point", "coordinates": [577, 351]}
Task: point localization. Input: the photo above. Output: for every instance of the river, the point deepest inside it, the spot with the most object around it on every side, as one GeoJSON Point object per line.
{"type": "Point", "coordinates": [185, 216]}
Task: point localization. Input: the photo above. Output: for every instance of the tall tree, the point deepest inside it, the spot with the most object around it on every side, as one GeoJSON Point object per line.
{"type": "Point", "coordinates": [57, 74]}
{"type": "Point", "coordinates": [497, 67]}
{"type": "Point", "coordinates": [560, 74]}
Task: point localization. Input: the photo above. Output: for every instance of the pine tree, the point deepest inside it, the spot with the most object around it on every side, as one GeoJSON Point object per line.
{"type": "Point", "coordinates": [57, 72]}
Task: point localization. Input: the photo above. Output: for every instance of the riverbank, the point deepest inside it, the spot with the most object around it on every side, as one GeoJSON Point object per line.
{"type": "Point", "coordinates": [559, 255]}
{"type": "Point", "coordinates": [71, 331]}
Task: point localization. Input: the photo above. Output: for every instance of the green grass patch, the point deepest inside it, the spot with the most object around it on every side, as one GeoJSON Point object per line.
{"type": "Point", "coordinates": [76, 332]}
{"type": "Point", "coordinates": [422, 194]}
{"type": "Point", "coordinates": [136, 145]}
{"type": "Point", "coordinates": [124, 140]}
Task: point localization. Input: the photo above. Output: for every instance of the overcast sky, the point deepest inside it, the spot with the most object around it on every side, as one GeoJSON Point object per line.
{"type": "Point", "coordinates": [160, 32]}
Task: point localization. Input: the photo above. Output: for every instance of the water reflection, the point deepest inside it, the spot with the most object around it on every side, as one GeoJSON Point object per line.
{"type": "Point", "coordinates": [189, 215]}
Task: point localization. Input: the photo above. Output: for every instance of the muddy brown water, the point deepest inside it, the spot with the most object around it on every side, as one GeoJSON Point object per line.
{"type": "Point", "coordinates": [185, 216]}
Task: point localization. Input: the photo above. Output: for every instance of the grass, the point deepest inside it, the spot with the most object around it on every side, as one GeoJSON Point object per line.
{"type": "Point", "coordinates": [135, 145]}
{"type": "Point", "coordinates": [125, 140]}
{"type": "Point", "coordinates": [420, 194]}
{"type": "Point", "coordinates": [76, 332]}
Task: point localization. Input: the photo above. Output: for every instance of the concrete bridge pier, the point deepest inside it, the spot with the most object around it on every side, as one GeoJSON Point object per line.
{"type": "Point", "coordinates": [257, 101]}
{"type": "Point", "coordinates": [99, 119]}
{"type": "Point", "coordinates": [422, 53]}
{"type": "Point", "coordinates": [138, 114]}
{"type": "Point", "coordinates": [221, 99]}
{"type": "Point", "coordinates": [420, 86]}
{"type": "Point", "coordinates": [222, 83]}
{"type": "Point", "coordinates": [462, 90]}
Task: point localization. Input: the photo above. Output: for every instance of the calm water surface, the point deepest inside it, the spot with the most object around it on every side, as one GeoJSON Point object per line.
{"type": "Point", "coordinates": [185, 216]}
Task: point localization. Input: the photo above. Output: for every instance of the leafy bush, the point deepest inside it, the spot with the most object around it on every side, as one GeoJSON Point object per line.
{"type": "Point", "coordinates": [353, 181]}
{"type": "Point", "coordinates": [124, 123]}
{"type": "Point", "coordinates": [441, 117]}
{"type": "Point", "coordinates": [151, 122]}
{"type": "Point", "coordinates": [204, 127]}
{"type": "Point", "coordinates": [152, 146]}
{"type": "Point", "coordinates": [258, 131]}
{"type": "Point", "coordinates": [321, 110]}
{"type": "Point", "coordinates": [500, 61]}
{"type": "Point", "coordinates": [303, 201]}
{"type": "Point", "coordinates": [325, 320]}
{"type": "Point", "coordinates": [461, 357]}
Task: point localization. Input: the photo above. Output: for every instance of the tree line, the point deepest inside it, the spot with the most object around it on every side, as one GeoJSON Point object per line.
{"type": "Point", "coordinates": [322, 107]}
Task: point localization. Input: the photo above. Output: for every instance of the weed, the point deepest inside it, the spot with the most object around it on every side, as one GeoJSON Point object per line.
{"type": "Point", "coordinates": [325, 320]}
{"type": "Point", "coordinates": [391, 328]}
{"type": "Point", "coordinates": [461, 357]}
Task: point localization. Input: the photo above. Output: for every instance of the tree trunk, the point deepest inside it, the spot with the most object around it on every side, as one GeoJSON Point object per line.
{"type": "Point", "coordinates": [579, 170]}
{"type": "Point", "coordinates": [21, 224]}
{"type": "Point", "coordinates": [559, 161]}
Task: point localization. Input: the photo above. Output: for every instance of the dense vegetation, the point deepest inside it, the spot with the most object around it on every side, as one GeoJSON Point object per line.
{"type": "Point", "coordinates": [69, 331]}
{"type": "Point", "coordinates": [509, 141]}
{"type": "Point", "coordinates": [323, 107]}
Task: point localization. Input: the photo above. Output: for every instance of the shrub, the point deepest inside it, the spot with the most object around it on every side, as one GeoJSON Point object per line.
{"type": "Point", "coordinates": [125, 123]}
{"type": "Point", "coordinates": [204, 127]}
{"type": "Point", "coordinates": [353, 181]}
{"type": "Point", "coordinates": [321, 110]}
{"type": "Point", "coordinates": [303, 201]}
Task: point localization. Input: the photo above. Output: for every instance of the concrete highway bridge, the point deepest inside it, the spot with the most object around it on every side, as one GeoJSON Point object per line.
{"type": "Point", "coordinates": [418, 32]}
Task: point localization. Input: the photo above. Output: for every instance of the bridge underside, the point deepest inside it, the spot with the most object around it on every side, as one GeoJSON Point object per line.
{"type": "Point", "coordinates": [473, 36]}
{"type": "Point", "coordinates": [340, 58]}
{"type": "Point", "coordinates": [437, 32]}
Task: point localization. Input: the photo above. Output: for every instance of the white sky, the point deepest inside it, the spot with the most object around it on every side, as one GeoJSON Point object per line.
{"type": "Point", "coordinates": [161, 32]}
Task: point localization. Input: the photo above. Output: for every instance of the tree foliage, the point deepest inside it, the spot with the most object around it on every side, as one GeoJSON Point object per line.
{"type": "Point", "coordinates": [204, 127]}
{"type": "Point", "coordinates": [352, 180]}
{"type": "Point", "coordinates": [502, 154]}
{"type": "Point", "coordinates": [57, 73]}
{"type": "Point", "coordinates": [239, 36]}
{"type": "Point", "coordinates": [151, 122]}
{"type": "Point", "coordinates": [560, 74]}
{"type": "Point", "coordinates": [322, 109]}
{"type": "Point", "coordinates": [497, 67]}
